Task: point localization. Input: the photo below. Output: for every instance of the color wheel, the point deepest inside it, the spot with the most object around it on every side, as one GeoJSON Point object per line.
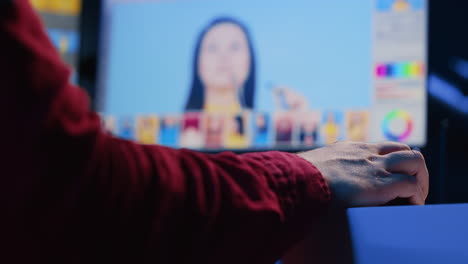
{"type": "Point", "coordinates": [394, 116]}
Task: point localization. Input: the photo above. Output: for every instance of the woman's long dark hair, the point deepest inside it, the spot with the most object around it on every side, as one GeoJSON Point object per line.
{"type": "Point", "coordinates": [197, 92]}
{"type": "Point", "coordinates": [240, 124]}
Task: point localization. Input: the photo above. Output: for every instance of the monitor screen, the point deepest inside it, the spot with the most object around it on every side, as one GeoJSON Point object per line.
{"type": "Point", "coordinates": [263, 74]}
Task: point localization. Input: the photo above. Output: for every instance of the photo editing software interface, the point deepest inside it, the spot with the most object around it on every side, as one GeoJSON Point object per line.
{"type": "Point", "coordinates": [264, 74]}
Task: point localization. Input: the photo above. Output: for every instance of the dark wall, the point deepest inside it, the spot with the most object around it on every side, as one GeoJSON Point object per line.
{"type": "Point", "coordinates": [447, 150]}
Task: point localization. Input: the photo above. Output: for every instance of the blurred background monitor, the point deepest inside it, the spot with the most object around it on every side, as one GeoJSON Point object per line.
{"type": "Point", "coordinates": [266, 74]}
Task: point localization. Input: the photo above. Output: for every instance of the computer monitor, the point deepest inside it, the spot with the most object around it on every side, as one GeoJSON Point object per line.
{"type": "Point", "coordinates": [264, 74]}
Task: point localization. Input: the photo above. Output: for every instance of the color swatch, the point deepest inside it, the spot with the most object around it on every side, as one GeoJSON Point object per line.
{"type": "Point", "coordinates": [399, 70]}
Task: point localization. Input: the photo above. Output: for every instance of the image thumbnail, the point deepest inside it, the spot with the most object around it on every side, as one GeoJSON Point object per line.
{"type": "Point", "coordinates": [147, 129]}
{"type": "Point", "coordinates": [237, 135]}
{"type": "Point", "coordinates": [192, 131]}
{"type": "Point", "coordinates": [309, 128]}
{"type": "Point", "coordinates": [262, 131]}
{"type": "Point", "coordinates": [215, 125]}
{"type": "Point", "coordinates": [284, 127]}
{"type": "Point", "coordinates": [332, 127]}
{"type": "Point", "coordinates": [169, 131]}
{"type": "Point", "coordinates": [126, 128]}
{"type": "Point", "coordinates": [357, 125]}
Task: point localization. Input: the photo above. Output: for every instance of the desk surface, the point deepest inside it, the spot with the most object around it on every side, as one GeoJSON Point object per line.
{"type": "Point", "coordinates": [410, 234]}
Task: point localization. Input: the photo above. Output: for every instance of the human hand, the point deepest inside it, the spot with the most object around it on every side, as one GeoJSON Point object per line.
{"type": "Point", "coordinates": [288, 99]}
{"type": "Point", "coordinates": [365, 174]}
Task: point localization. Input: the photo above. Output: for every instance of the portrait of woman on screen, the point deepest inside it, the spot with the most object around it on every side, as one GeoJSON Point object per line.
{"type": "Point", "coordinates": [223, 79]}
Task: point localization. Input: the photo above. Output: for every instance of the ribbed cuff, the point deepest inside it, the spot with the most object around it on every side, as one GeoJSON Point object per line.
{"type": "Point", "coordinates": [298, 184]}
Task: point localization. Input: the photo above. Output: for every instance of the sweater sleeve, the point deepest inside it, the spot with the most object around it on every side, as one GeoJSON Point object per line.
{"type": "Point", "coordinates": [76, 194]}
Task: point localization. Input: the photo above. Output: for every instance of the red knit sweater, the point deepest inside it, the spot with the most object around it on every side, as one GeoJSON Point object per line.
{"type": "Point", "coordinates": [70, 193]}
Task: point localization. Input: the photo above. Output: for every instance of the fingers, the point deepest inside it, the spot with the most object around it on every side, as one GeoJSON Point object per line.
{"type": "Point", "coordinates": [294, 100]}
{"type": "Point", "coordinates": [403, 186]}
{"type": "Point", "coordinates": [387, 147]}
{"type": "Point", "coordinates": [409, 163]}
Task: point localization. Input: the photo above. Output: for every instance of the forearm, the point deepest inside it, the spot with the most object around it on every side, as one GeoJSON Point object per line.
{"type": "Point", "coordinates": [226, 208]}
